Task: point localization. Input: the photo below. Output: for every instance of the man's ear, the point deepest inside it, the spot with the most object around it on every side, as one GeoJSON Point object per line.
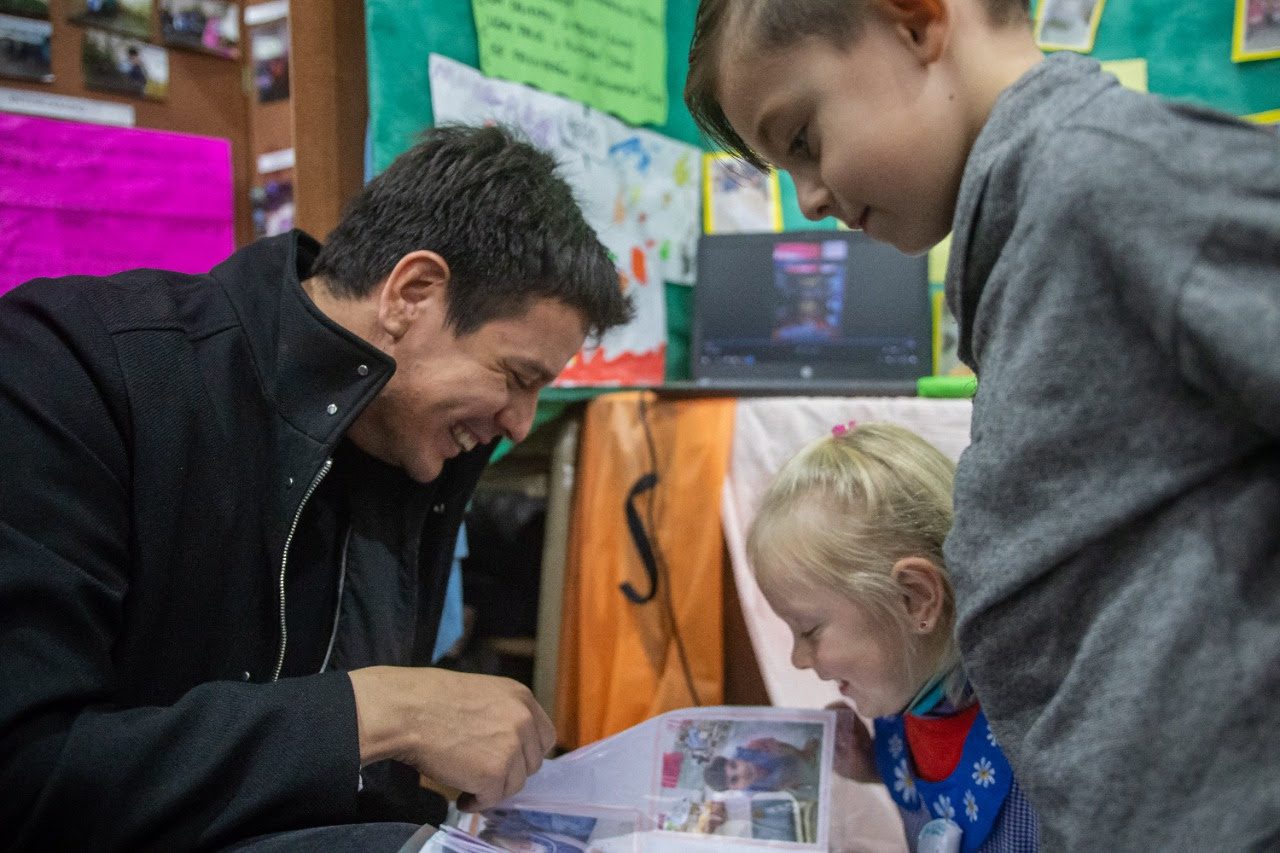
{"type": "Point", "coordinates": [923, 591]}
{"type": "Point", "coordinates": [417, 285]}
{"type": "Point", "coordinates": [923, 25]}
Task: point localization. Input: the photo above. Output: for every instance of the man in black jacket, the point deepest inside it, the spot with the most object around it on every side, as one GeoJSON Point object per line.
{"type": "Point", "coordinates": [230, 504]}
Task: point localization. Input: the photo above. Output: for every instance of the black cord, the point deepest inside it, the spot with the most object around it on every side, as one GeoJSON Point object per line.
{"type": "Point", "coordinates": [648, 540]}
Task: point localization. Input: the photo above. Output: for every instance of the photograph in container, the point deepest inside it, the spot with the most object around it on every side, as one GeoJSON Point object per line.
{"type": "Point", "coordinates": [25, 49]}
{"type": "Point", "coordinates": [760, 779]}
{"type": "Point", "coordinates": [269, 48]}
{"type": "Point", "coordinates": [128, 17]}
{"type": "Point", "coordinates": [211, 26]}
{"type": "Point", "coordinates": [549, 828]}
{"type": "Point", "coordinates": [114, 63]}
{"type": "Point", "coordinates": [26, 8]}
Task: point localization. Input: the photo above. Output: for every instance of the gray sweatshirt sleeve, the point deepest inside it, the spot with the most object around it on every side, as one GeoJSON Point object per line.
{"type": "Point", "coordinates": [1191, 227]}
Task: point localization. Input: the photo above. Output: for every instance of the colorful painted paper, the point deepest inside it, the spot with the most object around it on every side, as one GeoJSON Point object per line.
{"type": "Point", "coordinates": [738, 198]}
{"type": "Point", "coordinates": [638, 189]}
{"type": "Point", "coordinates": [608, 54]}
{"type": "Point", "coordinates": [88, 199]}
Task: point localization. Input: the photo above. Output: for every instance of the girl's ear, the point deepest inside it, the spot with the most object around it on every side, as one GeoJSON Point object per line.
{"type": "Point", "coordinates": [922, 25]}
{"type": "Point", "coordinates": [923, 589]}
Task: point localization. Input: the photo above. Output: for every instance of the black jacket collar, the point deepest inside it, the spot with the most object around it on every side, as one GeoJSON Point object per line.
{"type": "Point", "coordinates": [307, 363]}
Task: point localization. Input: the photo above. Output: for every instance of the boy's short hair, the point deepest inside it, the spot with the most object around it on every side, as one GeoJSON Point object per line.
{"type": "Point", "coordinates": [496, 209]}
{"type": "Point", "coordinates": [772, 25]}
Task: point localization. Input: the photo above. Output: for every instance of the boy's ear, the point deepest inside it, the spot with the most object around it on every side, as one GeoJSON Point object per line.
{"type": "Point", "coordinates": [923, 25]}
{"type": "Point", "coordinates": [417, 285]}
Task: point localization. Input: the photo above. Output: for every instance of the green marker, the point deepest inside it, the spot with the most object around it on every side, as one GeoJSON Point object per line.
{"type": "Point", "coordinates": [947, 386]}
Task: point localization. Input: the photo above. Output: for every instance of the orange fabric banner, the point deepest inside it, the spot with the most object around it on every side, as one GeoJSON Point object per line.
{"type": "Point", "coordinates": [621, 662]}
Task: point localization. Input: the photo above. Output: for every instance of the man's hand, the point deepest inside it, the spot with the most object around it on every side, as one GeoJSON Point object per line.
{"type": "Point", "coordinates": [855, 747]}
{"type": "Point", "coordinates": [477, 733]}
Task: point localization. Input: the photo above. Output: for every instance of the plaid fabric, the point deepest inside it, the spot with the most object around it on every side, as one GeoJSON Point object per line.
{"type": "Point", "coordinates": [1017, 829]}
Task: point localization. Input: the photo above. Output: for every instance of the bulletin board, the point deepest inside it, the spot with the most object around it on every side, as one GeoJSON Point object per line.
{"type": "Point", "coordinates": [1187, 46]}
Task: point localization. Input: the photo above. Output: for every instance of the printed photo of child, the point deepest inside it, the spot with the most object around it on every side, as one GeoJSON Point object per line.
{"type": "Point", "coordinates": [746, 778]}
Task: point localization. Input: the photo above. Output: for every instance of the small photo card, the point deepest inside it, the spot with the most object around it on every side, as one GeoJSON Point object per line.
{"type": "Point", "coordinates": [1068, 24]}
{"type": "Point", "coordinates": [269, 48]}
{"type": "Point", "coordinates": [114, 63]}
{"type": "Point", "coordinates": [26, 8]}
{"type": "Point", "coordinates": [745, 776]}
{"type": "Point", "coordinates": [1256, 34]}
{"type": "Point", "coordinates": [25, 49]}
{"type": "Point", "coordinates": [128, 17]}
{"type": "Point", "coordinates": [738, 198]}
{"type": "Point", "coordinates": [210, 26]}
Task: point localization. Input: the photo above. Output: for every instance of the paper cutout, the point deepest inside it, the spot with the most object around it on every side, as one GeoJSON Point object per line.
{"type": "Point", "coordinates": [608, 54]}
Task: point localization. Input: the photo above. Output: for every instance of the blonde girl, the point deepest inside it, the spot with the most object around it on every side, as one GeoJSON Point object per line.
{"type": "Point", "coordinates": [847, 548]}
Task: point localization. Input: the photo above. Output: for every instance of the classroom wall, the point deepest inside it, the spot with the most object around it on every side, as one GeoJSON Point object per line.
{"type": "Point", "coordinates": [1187, 45]}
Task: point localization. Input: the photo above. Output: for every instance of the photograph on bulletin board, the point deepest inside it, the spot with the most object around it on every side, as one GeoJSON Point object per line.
{"type": "Point", "coordinates": [272, 202]}
{"type": "Point", "coordinates": [129, 17]}
{"type": "Point", "coordinates": [1068, 24]}
{"type": "Point", "coordinates": [210, 26]}
{"type": "Point", "coordinates": [25, 49]}
{"type": "Point", "coordinates": [738, 198]}
{"type": "Point", "coordinates": [1257, 30]}
{"type": "Point", "coordinates": [26, 8]}
{"type": "Point", "coordinates": [269, 47]}
{"type": "Point", "coordinates": [114, 63]}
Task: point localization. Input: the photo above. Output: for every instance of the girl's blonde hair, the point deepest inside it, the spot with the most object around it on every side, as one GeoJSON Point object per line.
{"type": "Point", "coordinates": [848, 507]}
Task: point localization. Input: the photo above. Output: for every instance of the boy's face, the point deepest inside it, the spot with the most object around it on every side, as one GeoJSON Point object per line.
{"type": "Point", "coordinates": [872, 133]}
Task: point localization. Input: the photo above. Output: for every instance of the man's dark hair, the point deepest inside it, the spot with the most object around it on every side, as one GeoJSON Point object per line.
{"type": "Point", "coordinates": [495, 208]}
{"type": "Point", "coordinates": [773, 25]}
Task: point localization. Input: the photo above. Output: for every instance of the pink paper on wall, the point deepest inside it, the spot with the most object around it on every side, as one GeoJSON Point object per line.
{"type": "Point", "coordinates": [87, 199]}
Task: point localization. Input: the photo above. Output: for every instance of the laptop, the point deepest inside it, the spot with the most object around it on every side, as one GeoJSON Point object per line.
{"type": "Point", "coordinates": [809, 313]}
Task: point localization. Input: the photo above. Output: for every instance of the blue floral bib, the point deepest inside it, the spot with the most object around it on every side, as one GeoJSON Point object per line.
{"type": "Point", "coordinates": [972, 795]}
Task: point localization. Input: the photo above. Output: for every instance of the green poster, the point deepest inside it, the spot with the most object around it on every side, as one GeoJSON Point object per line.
{"type": "Point", "coordinates": [608, 54]}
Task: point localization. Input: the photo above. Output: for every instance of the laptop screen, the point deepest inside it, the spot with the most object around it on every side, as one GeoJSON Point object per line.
{"type": "Point", "coordinates": [809, 305]}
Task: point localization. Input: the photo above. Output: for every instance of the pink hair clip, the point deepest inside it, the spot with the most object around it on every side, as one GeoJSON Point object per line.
{"type": "Point", "coordinates": [841, 429]}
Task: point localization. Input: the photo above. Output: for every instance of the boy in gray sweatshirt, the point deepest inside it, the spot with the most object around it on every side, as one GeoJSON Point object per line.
{"type": "Point", "coordinates": [1115, 272]}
